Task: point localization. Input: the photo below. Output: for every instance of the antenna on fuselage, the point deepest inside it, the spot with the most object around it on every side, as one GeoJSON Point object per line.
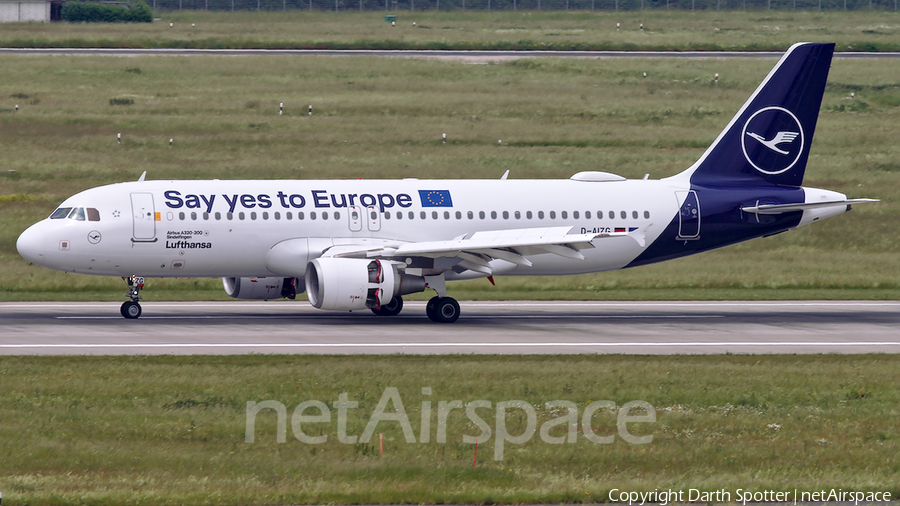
{"type": "Point", "coordinates": [505, 175]}
{"type": "Point", "coordinates": [141, 179]}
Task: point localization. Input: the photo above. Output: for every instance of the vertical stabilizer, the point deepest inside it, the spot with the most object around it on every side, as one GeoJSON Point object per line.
{"type": "Point", "coordinates": [769, 138]}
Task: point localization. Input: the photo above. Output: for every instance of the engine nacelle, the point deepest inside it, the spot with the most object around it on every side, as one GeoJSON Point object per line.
{"type": "Point", "coordinates": [261, 288]}
{"type": "Point", "coordinates": [351, 283]}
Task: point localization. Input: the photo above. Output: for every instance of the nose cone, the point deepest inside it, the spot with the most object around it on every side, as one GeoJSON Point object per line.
{"type": "Point", "coordinates": [32, 244]}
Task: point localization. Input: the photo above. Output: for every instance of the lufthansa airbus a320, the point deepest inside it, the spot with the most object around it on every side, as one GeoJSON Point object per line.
{"type": "Point", "coordinates": [364, 244]}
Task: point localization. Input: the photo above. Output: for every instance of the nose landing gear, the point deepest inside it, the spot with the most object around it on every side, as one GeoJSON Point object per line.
{"type": "Point", "coordinates": [132, 308]}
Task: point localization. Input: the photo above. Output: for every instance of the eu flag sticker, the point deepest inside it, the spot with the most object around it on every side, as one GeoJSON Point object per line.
{"type": "Point", "coordinates": [435, 198]}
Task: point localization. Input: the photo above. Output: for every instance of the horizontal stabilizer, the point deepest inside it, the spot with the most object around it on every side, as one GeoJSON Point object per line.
{"type": "Point", "coordinates": [787, 208]}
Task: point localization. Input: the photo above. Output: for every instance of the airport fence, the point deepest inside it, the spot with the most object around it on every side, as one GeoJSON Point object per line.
{"type": "Point", "coordinates": [392, 6]}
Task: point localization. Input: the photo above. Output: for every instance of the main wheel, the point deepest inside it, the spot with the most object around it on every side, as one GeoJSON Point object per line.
{"type": "Point", "coordinates": [445, 310]}
{"type": "Point", "coordinates": [431, 308]}
{"type": "Point", "coordinates": [130, 310]}
{"type": "Point", "coordinates": [392, 308]}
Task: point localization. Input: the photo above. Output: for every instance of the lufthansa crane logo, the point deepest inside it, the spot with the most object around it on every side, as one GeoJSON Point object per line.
{"type": "Point", "coordinates": [772, 140]}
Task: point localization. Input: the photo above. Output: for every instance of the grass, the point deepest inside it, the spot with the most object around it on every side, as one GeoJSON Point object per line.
{"type": "Point", "coordinates": [753, 30]}
{"type": "Point", "coordinates": [171, 430]}
{"type": "Point", "coordinates": [383, 118]}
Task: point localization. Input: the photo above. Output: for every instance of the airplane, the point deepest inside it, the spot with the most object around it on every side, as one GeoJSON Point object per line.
{"type": "Point", "coordinates": [363, 244]}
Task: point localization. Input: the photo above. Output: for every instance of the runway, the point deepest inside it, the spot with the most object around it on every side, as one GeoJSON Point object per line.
{"type": "Point", "coordinates": [521, 327]}
{"type": "Point", "coordinates": [471, 55]}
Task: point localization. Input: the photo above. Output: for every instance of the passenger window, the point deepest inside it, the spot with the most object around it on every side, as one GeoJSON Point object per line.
{"type": "Point", "coordinates": [564, 215]}
{"type": "Point", "coordinates": [574, 215]}
{"type": "Point", "coordinates": [399, 215]}
{"type": "Point", "coordinates": [433, 215]}
{"type": "Point", "coordinates": [218, 216]}
{"type": "Point", "coordinates": [240, 215]}
{"type": "Point", "coordinates": [288, 216]}
{"type": "Point", "coordinates": [647, 215]}
{"type": "Point", "coordinates": [312, 215]}
{"type": "Point", "coordinates": [205, 216]}
{"type": "Point", "coordinates": [412, 215]}
{"type": "Point", "coordinates": [337, 215]}
{"type": "Point", "coordinates": [181, 216]}
{"type": "Point", "coordinates": [93, 214]}
{"type": "Point", "coordinates": [277, 215]}
{"type": "Point", "coordinates": [612, 215]}
{"type": "Point", "coordinates": [446, 215]}
{"type": "Point", "coordinates": [458, 215]}
{"type": "Point", "coordinates": [229, 216]}
{"type": "Point", "coordinates": [300, 215]}
{"type": "Point", "coordinates": [518, 215]}
{"type": "Point", "coordinates": [552, 215]}
{"type": "Point", "coordinates": [60, 213]}
{"type": "Point", "coordinates": [387, 215]}
{"type": "Point", "coordinates": [540, 215]}
{"type": "Point", "coordinates": [265, 215]}
{"type": "Point", "coordinates": [194, 216]}
{"type": "Point", "coordinates": [505, 215]}
{"type": "Point", "coordinates": [253, 215]}
{"type": "Point", "coordinates": [422, 215]}
{"type": "Point", "coordinates": [324, 215]}
{"type": "Point", "coordinates": [634, 215]}
{"type": "Point", "coordinates": [493, 215]}
{"type": "Point", "coordinates": [623, 214]}
{"type": "Point", "coordinates": [528, 214]}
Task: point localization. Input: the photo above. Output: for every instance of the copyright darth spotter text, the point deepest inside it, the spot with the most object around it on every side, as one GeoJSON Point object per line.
{"type": "Point", "coordinates": [744, 496]}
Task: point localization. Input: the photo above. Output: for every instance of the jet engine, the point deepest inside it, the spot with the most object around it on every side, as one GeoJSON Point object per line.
{"type": "Point", "coordinates": [352, 283]}
{"type": "Point", "coordinates": [261, 288]}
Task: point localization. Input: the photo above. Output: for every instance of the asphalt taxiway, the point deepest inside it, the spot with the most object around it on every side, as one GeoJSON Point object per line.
{"type": "Point", "coordinates": [526, 327]}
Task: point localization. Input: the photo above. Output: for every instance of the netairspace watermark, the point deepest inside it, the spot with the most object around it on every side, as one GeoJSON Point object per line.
{"type": "Point", "coordinates": [743, 496]}
{"type": "Point", "coordinates": [643, 413]}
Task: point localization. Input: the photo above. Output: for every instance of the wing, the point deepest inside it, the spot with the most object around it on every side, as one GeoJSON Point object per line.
{"type": "Point", "coordinates": [475, 252]}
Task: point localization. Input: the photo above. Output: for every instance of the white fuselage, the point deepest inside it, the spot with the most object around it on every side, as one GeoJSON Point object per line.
{"type": "Point", "coordinates": [226, 228]}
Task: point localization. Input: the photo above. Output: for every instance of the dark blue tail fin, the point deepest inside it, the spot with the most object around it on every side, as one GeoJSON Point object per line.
{"type": "Point", "coordinates": [769, 138]}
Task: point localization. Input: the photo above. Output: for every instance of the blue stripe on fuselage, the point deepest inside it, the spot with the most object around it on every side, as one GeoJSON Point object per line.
{"type": "Point", "coordinates": [722, 222]}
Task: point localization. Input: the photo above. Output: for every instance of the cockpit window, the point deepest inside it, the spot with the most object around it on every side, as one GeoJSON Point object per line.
{"type": "Point", "coordinates": [60, 213]}
{"type": "Point", "coordinates": [76, 213]}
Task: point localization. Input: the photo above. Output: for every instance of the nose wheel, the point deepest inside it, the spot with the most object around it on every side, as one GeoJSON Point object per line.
{"type": "Point", "coordinates": [442, 309]}
{"type": "Point", "coordinates": [132, 308]}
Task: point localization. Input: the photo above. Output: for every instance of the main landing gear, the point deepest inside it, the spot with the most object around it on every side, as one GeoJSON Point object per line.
{"type": "Point", "coordinates": [442, 309]}
{"type": "Point", "coordinates": [439, 309]}
{"type": "Point", "coordinates": [132, 309]}
{"type": "Point", "coordinates": [392, 308]}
